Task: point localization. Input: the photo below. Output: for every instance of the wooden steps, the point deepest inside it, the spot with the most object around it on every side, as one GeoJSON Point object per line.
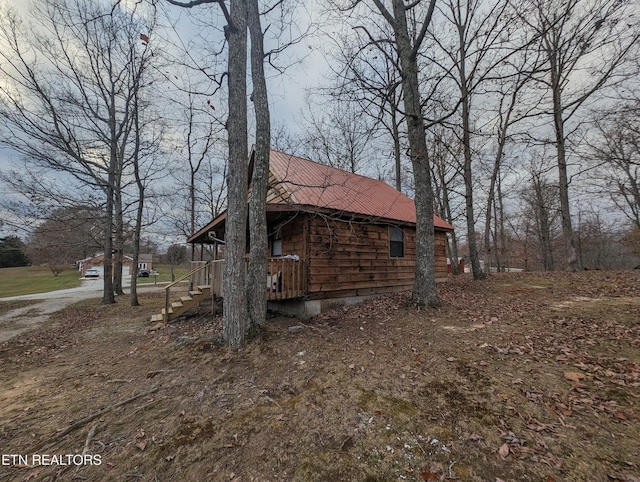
{"type": "Point", "coordinates": [184, 303]}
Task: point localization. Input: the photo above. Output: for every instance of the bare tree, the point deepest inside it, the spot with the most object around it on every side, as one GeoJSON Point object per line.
{"type": "Point", "coordinates": [407, 46]}
{"type": "Point", "coordinates": [137, 151]}
{"type": "Point", "coordinates": [68, 235]}
{"type": "Point", "coordinates": [244, 300]}
{"type": "Point", "coordinates": [617, 155]}
{"type": "Point", "coordinates": [258, 240]}
{"type": "Point", "coordinates": [446, 175]}
{"type": "Point", "coordinates": [235, 313]}
{"type": "Point", "coordinates": [340, 137]}
{"type": "Point", "coordinates": [485, 39]}
{"type": "Point", "coordinates": [369, 79]}
{"type": "Point", "coordinates": [148, 134]}
{"type": "Point", "coordinates": [513, 107]}
{"type": "Point", "coordinates": [201, 131]}
{"type": "Point", "coordinates": [424, 289]}
{"type": "Point", "coordinates": [176, 255]}
{"type": "Point", "coordinates": [194, 75]}
{"type": "Point", "coordinates": [257, 274]}
{"type": "Point", "coordinates": [599, 242]}
{"type": "Point", "coordinates": [67, 102]}
{"type": "Point", "coordinates": [541, 198]}
{"type": "Point", "coordinates": [236, 317]}
{"type": "Point", "coordinates": [212, 187]}
{"type": "Point", "coordinates": [585, 44]}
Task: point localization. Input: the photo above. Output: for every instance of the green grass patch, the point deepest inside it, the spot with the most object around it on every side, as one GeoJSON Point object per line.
{"type": "Point", "coordinates": [164, 274]}
{"type": "Point", "coordinates": [28, 280]}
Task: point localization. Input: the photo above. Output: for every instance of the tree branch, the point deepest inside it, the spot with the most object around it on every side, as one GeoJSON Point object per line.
{"type": "Point", "coordinates": [195, 3]}
{"type": "Point", "coordinates": [423, 30]}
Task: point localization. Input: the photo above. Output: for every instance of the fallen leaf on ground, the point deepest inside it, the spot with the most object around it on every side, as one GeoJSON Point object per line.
{"type": "Point", "coordinates": [428, 475]}
{"type": "Point", "coordinates": [504, 451]}
{"type": "Point", "coordinates": [574, 376]}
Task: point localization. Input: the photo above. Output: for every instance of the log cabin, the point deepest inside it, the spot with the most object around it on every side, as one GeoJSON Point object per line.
{"type": "Point", "coordinates": [334, 237]}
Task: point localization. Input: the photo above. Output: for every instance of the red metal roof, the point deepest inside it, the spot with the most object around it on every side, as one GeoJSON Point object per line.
{"type": "Point", "coordinates": [314, 184]}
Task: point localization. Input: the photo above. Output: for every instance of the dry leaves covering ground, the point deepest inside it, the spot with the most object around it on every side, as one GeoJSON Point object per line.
{"type": "Point", "coordinates": [519, 377]}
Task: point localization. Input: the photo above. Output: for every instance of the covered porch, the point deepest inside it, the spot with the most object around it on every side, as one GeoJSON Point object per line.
{"type": "Point", "coordinates": [287, 265]}
{"type": "Point", "coordinates": [286, 278]}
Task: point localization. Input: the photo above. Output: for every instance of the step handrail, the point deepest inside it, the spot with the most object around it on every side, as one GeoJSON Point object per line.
{"type": "Point", "coordinates": [188, 275]}
{"type": "Point", "coordinates": [167, 289]}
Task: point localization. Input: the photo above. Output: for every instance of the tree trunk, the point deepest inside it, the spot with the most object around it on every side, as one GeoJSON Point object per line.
{"type": "Point", "coordinates": [452, 249]}
{"type": "Point", "coordinates": [133, 293]}
{"type": "Point", "coordinates": [445, 205]}
{"type": "Point", "coordinates": [133, 287]}
{"type": "Point", "coordinates": [573, 262]}
{"type": "Point", "coordinates": [235, 317]}
{"type": "Point", "coordinates": [396, 143]}
{"type": "Point", "coordinates": [192, 201]}
{"type": "Point", "coordinates": [260, 179]}
{"type": "Point", "coordinates": [495, 180]}
{"type": "Point", "coordinates": [500, 227]}
{"type": "Point", "coordinates": [544, 223]}
{"type": "Point", "coordinates": [467, 174]}
{"type": "Point", "coordinates": [424, 288]}
{"type": "Point", "coordinates": [118, 238]}
{"type": "Point", "coordinates": [107, 292]}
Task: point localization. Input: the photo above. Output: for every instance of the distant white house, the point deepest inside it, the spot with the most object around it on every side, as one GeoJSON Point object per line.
{"type": "Point", "coordinates": [145, 261]}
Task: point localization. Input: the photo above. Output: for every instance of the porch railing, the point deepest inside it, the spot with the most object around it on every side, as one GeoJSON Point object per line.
{"type": "Point", "coordinates": [286, 277]}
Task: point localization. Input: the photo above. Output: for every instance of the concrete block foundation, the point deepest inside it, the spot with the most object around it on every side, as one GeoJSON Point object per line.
{"type": "Point", "coordinates": [308, 308]}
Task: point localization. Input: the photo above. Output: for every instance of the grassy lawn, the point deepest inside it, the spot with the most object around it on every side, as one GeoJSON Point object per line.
{"type": "Point", "coordinates": [35, 279]}
{"type": "Point", "coordinates": [164, 274]}
{"type": "Point", "coordinates": [39, 279]}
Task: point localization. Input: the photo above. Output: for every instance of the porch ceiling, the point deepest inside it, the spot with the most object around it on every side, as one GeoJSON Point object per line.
{"type": "Point", "coordinates": [217, 226]}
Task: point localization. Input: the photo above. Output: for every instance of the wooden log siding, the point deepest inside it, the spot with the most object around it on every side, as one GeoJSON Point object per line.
{"type": "Point", "coordinates": [340, 259]}
{"type": "Point", "coordinates": [353, 259]}
{"type": "Point", "coordinates": [292, 234]}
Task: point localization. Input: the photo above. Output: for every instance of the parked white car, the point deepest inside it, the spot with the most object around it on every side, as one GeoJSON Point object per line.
{"type": "Point", "coordinates": [92, 273]}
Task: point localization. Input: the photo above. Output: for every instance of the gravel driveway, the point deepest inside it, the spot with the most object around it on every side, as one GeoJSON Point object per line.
{"type": "Point", "coordinates": [29, 317]}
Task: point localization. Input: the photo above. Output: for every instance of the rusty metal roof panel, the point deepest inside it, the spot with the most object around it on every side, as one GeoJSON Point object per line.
{"type": "Point", "coordinates": [315, 184]}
